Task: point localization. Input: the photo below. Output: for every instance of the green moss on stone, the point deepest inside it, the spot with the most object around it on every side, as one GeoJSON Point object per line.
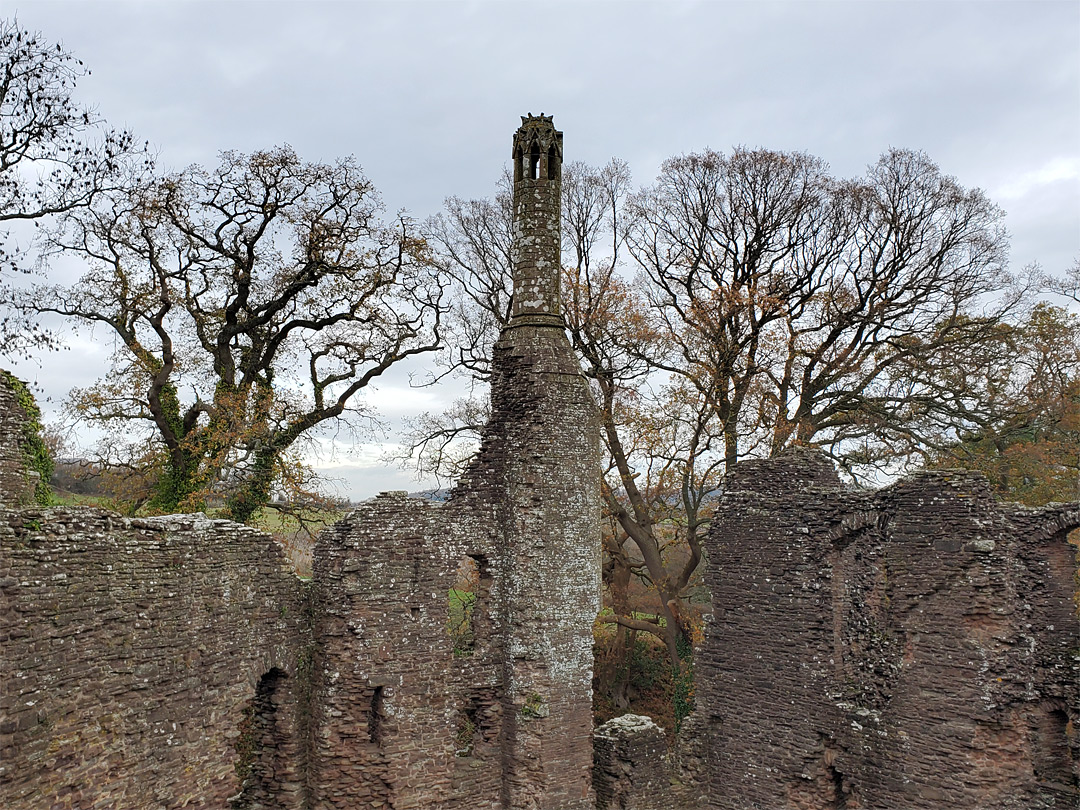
{"type": "Point", "coordinates": [38, 458]}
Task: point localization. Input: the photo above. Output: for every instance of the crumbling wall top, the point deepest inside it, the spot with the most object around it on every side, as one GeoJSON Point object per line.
{"type": "Point", "coordinates": [910, 647]}
{"type": "Point", "coordinates": [792, 471]}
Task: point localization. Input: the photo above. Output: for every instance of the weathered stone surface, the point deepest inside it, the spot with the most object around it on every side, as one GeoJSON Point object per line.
{"type": "Point", "coordinates": [388, 682]}
{"type": "Point", "coordinates": [537, 251]}
{"type": "Point", "coordinates": [175, 662]}
{"type": "Point", "coordinates": [132, 650]}
{"type": "Point", "coordinates": [630, 769]}
{"type": "Point", "coordinates": [17, 481]}
{"type": "Point", "coordinates": [510, 723]}
{"type": "Point", "coordinates": [914, 647]}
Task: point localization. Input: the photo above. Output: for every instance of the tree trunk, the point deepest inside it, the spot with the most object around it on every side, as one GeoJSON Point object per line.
{"type": "Point", "coordinates": [624, 637]}
{"type": "Point", "coordinates": [254, 492]}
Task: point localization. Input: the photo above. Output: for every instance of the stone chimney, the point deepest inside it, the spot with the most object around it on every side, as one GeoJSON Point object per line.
{"type": "Point", "coordinates": [537, 196]}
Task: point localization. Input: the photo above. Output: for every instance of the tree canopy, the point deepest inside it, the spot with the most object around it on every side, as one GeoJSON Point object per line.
{"type": "Point", "coordinates": [740, 304]}
{"type": "Point", "coordinates": [248, 304]}
{"type": "Point", "coordinates": [1030, 450]}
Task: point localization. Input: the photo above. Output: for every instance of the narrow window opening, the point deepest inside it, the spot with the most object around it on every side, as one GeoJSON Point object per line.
{"type": "Point", "coordinates": [467, 618]}
{"type": "Point", "coordinates": [534, 162]}
{"type": "Point", "coordinates": [518, 164]}
{"type": "Point", "coordinates": [476, 730]}
{"type": "Point", "coordinates": [840, 790]}
{"type": "Point", "coordinates": [461, 607]}
{"type": "Point", "coordinates": [552, 164]}
{"type": "Point", "coordinates": [465, 734]}
{"type": "Point", "coordinates": [375, 716]}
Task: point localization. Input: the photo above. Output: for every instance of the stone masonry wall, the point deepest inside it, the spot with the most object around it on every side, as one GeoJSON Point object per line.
{"type": "Point", "coordinates": [537, 251]}
{"type": "Point", "coordinates": [403, 719]}
{"type": "Point", "coordinates": [537, 475]}
{"type": "Point", "coordinates": [630, 768]}
{"type": "Point", "coordinates": [915, 647]}
{"type": "Point", "coordinates": [17, 482]}
{"type": "Point", "coordinates": [176, 662]}
{"type": "Point", "coordinates": [146, 663]}
{"type": "Point", "coordinates": [541, 464]}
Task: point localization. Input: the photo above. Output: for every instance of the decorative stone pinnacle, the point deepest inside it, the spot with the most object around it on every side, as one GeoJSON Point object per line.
{"type": "Point", "coordinates": [537, 254]}
{"type": "Point", "coordinates": [538, 131]}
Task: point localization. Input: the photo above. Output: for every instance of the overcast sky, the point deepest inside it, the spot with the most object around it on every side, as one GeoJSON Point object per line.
{"type": "Point", "coordinates": [427, 95]}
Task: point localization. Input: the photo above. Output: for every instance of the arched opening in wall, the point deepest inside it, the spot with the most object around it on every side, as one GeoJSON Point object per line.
{"type": "Point", "coordinates": [465, 734]}
{"type": "Point", "coordinates": [518, 169]}
{"type": "Point", "coordinates": [265, 749]}
{"type": "Point", "coordinates": [867, 646]}
{"type": "Point", "coordinates": [534, 162]}
{"type": "Point", "coordinates": [840, 790]}
{"type": "Point", "coordinates": [1051, 757]}
{"type": "Point", "coordinates": [841, 603]}
{"type": "Point", "coordinates": [466, 604]}
{"type": "Point", "coordinates": [552, 164]}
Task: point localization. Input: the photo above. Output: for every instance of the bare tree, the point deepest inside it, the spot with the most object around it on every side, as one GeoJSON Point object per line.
{"type": "Point", "coordinates": [743, 303]}
{"type": "Point", "coordinates": [919, 281]}
{"type": "Point", "coordinates": [1069, 284]}
{"type": "Point", "coordinates": [730, 247]}
{"type": "Point", "coordinates": [657, 441]}
{"type": "Point", "coordinates": [56, 156]}
{"type": "Point", "coordinates": [471, 241]}
{"type": "Point", "coordinates": [808, 310]}
{"type": "Point", "coordinates": [1030, 448]}
{"type": "Point", "coordinates": [250, 304]}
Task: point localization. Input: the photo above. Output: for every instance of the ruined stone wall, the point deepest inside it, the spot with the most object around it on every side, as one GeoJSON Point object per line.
{"type": "Point", "coordinates": [175, 662]}
{"type": "Point", "coordinates": [17, 482]}
{"type": "Point", "coordinates": [132, 654]}
{"type": "Point", "coordinates": [630, 767]}
{"type": "Point", "coordinates": [403, 719]}
{"type": "Point", "coordinates": [539, 471]}
{"type": "Point", "coordinates": [914, 647]}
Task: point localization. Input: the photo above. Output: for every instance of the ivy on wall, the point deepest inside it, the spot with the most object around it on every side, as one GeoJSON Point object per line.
{"type": "Point", "coordinates": [32, 445]}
